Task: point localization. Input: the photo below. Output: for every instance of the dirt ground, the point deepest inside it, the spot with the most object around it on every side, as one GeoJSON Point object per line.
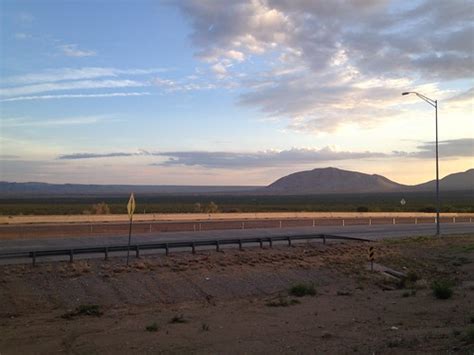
{"type": "Point", "coordinates": [239, 302]}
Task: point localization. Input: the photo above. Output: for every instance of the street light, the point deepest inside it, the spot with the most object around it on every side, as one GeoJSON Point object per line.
{"type": "Point", "coordinates": [433, 103]}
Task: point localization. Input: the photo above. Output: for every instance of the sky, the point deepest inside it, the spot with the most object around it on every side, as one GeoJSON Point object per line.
{"type": "Point", "coordinates": [201, 92]}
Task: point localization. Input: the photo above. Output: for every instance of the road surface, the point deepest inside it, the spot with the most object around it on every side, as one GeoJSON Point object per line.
{"type": "Point", "coordinates": [373, 232]}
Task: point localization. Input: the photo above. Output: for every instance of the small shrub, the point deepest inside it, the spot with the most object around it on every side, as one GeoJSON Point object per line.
{"type": "Point", "coordinates": [101, 208]}
{"type": "Point", "coordinates": [302, 289]}
{"type": "Point", "coordinates": [442, 289]}
{"type": "Point", "coordinates": [212, 208]}
{"type": "Point", "coordinates": [412, 277]}
{"type": "Point", "coordinates": [205, 327]}
{"type": "Point", "coordinates": [362, 209]}
{"type": "Point", "coordinates": [153, 327]}
{"type": "Point", "coordinates": [471, 320]}
{"type": "Point", "coordinates": [469, 336]}
{"type": "Point", "coordinates": [84, 310]}
{"type": "Point", "coordinates": [178, 319]}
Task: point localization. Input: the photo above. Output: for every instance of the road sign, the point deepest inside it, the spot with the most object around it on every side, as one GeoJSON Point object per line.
{"type": "Point", "coordinates": [403, 202]}
{"type": "Point", "coordinates": [371, 257]}
{"type": "Point", "coordinates": [131, 206]}
{"type": "Point", "coordinates": [130, 210]}
{"type": "Point", "coordinates": [371, 254]}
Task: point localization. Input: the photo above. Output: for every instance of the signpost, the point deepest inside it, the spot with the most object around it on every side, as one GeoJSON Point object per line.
{"type": "Point", "coordinates": [130, 210]}
{"type": "Point", "coordinates": [371, 256]}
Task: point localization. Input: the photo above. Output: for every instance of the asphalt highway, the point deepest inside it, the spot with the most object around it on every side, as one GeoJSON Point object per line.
{"type": "Point", "coordinates": [373, 232]}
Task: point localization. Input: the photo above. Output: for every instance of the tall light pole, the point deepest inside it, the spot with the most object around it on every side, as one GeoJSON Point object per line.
{"type": "Point", "coordinates": [433, 103]}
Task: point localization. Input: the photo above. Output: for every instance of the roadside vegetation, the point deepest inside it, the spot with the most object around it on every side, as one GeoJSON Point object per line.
{"type": "Point", "coordinates": [458, 201]}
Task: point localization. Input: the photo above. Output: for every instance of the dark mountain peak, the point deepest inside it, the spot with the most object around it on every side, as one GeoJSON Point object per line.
{"type": "Point", "coordinates": [332, 180]}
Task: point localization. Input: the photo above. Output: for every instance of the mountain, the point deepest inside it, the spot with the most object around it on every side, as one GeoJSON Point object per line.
{"type": "Point", "coordinates": [331, 180]}
{"type": "Point", "coordinates": [456, 181]}
{"type": "Point", "coordinates": [13, 189]}
{"type": "Point", "coordinates": [316, 181]}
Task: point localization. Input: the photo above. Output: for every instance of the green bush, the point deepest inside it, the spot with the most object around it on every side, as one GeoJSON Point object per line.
{"type": "Point", "coordinates": [303, 289]}
{"type": "Point", "coordinates": [442, 289]}
{"type": "Point", "coordinates": [84, 310]}
{"type": "Point", "coordinates": [469, 336]}
{"type": "Point", "coordinates": [153, 327]}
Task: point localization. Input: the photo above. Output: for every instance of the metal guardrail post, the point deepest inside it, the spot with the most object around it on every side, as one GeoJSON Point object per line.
{"type": "Point", "coordinates": [289, 241]}
{"type": "Point", "coordinates": [217, 245]}
{"type": "Point", "coordinates": [33, 255]}
{"type": "Point", "coordinates": [71, 255]}
{"type": "Point", "coordinates": [193, 246]}
{"type": "Point", "coordinates": [137, 251]}
{"type": "Point", "coordinates": [167, 250]}
{"type": "Point", "coordinates": [324, 239]}
{"type": "Point", "coordinates": [240, 244]}
{"type": "Point", "coordinates": [270, 242]}
{"type": "Point", "coordinates": [106, 253]}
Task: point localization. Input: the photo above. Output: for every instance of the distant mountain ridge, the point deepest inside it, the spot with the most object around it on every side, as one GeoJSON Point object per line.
{"type": "Point", "coordinates": [38, 188]}
{"type": "Point", "coordinates": [333, 180]}
{"type": "Point", "coordinates": [316, 181]}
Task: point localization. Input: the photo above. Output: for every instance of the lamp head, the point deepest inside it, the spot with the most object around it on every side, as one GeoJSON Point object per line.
{"type": "Point", "coordinates": [406, 93]}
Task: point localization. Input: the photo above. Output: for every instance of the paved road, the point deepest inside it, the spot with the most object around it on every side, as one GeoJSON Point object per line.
{"type": "Point", "coordinates": [373, 232]}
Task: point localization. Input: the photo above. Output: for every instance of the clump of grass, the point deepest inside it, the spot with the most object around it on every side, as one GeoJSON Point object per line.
{"type": "Point", "coordinates": [84, 310]}
{"type": "Point", "coordinates": [409, 293]}
{"type": "Point", "coordinates": [442, 289]}
{"type": "Point", "coordinates": [303, 289]}
{"type": "Point", "coordinates": [412, 277]}
{"type": "Point", "coordinates": [153, 327]}
{"type": "Point", "coordinates": [282, 302]}
{"type": "Point", "coordinates": [205, 327]}
{"type": "Point", "coordinates": [469, 336]}
{"type": "Point", "coordinates": [178, 319]}
{"type": "Point", "coordinates": [471, 320]}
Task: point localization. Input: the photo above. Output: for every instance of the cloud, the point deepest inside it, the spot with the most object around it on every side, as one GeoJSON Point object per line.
{"type": "Point", "coordinates": [77, 156]}
{"type": "Point", "coordinates": [285, 158]}
{"type": "Point", "coordinates": [75, 96]}
{"type": "Point", "coordinates": [64, 74]}
{"type": "Point", "coordinates": [447, 149]}
{"type": "Point", "coordinates": [21, 36]}
{"type": "Point", "coordinates": [313, 55]}
{"type": "Point", "coordinates": [25, 18]}
{"type": "Point", "coordinates": [70, 85]}
{"type": "Point", "coordinates": [462, 98]}
{"type": "Point", "coordinates": [71, 50]}
{"type": "Point", "coordinates": [69, 121]}
{"type": "Point", "coordinates": [229, 160]}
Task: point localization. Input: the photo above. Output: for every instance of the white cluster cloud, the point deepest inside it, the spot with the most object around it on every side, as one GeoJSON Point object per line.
{"type": "Point", "coordinates": [318, 53]}
{"type": "Point", "coordinates": [72, 50]}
